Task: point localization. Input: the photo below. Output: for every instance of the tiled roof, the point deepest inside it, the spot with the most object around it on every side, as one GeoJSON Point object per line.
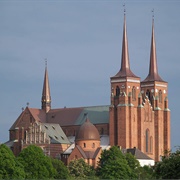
{"type": "Point", "coordinates": [16, 122]}
{"type": "Point", "coordinates": [38, 114]}
{"type": "Point", "coordinates": [137, 153]}
{"type": "Point", "coordinates": [10, 143]}
{"type": "Point", "coordinates": [68, 116]}
{"type": "Point", "coordinates": [104, 143]}
{"type": "Point", "coordinates": [96, 152]}
{"type": "Point", "coordinates": [77, 116]}
{"type": "Point", "coordinates": [81, 151]}
{"type": "Point", "coordinates": [88, 154]}
{"type": "Point", "coordinates": [55, 132]}
{"type": "Point", "coordinates": [64, 116]}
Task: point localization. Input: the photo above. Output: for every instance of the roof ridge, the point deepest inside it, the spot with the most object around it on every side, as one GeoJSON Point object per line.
{"type": "Point", "coordinates": [81, 151]}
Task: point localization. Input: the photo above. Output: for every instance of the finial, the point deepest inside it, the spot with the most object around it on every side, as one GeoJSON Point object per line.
{"type": "Point", "coordinates": [45, 62]}
{"type": "Point", "coordinates": [124, 8]}
{"type": "Point", "coordinates": [152, 13]}
{"type": "Point", "coordinates": [27, 104]}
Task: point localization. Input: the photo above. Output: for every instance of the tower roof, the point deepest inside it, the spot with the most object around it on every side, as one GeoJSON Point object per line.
{"type": "Point", "coordinates": [125, 70]}
{"type": "Point", "coordinates": [46, 97]}
{"type": "Point", "coordinates": [153, 68]}
{"type": "Point", "coordinates": [87, 131]}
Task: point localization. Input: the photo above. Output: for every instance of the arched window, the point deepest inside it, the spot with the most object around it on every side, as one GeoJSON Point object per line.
{"type": "Point", "coordinates": [133, 93]}
{"type": "Point", "coordinates": [93, 145]}
{"type": "Point", "coordinates": [160, 96]}
{"type": "Point", "coordinates": [147, 140]}
{"type": "Point", "coordinates": [117, 91]}
{"type": "Point", "coordinates": [84, 145]}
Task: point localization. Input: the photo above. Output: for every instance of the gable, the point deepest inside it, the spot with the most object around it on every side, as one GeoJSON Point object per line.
{"type": "Point", "coordinates": [77, 153]}
{"type": "Point", "coordinates": [28, 116]}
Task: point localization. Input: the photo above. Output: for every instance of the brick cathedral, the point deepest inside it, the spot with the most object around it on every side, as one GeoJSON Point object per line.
{"type": "Point", "coordinates": [137, 117]}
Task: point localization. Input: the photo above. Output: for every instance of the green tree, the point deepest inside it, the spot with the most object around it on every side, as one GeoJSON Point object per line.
{"type": "Point", "coordinates": [10, 168]}
{"type": "Point", "coordinates": [78, 168]}
{"type": "Point", "coordinates": [133, 164]}
{"type": "Point", "coordinates": [113, 165]}
{"type": "Point", "coordinates": [146, 172]}
{"type": "Point", "coordinates": [169, 167]}
{"type": "Point", "coordinates": [61, 170]}
{"type": "Point", "coordinates": [36, 164]}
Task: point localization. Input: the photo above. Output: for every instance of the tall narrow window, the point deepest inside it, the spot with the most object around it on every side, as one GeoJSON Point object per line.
{"type": "Point", "coordinates": [84, 145]}
{"type": "Point", "coordinates": [93, 145]}
{"type": "Point", "coordinates": [102, 131]}
{"type": "Point", "coordinates": [133, 93]}
{"type": "Point", "coordinates": [148, 94]}
{"type": "Point", "coordinates": [117, 91]}
{"type": "Point", "coordinates": [160, 96]}
{"type": "Point", "coordinates": [147, 140]}
{"type": "Point", "coordinates": [151, 144]}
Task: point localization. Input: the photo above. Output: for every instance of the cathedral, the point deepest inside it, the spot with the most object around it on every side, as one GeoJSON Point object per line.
{"type": "Point", "coordinates": [138, 117]}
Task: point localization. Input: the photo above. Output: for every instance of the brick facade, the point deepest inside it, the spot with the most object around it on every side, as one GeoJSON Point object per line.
{"type": "Point", "coordinates": [138, 115]}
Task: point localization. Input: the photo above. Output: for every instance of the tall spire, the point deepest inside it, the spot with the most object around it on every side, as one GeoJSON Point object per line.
{"type": "Point", "coordinates": [153, 68]}
{"type": "Point", "coordinates": [125, 70]}
{"type": "Point", "coordinates": [46, 97]}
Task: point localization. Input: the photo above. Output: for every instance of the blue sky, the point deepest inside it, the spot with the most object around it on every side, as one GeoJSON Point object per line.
{"type": "Point", "coordinates": [82, 42]}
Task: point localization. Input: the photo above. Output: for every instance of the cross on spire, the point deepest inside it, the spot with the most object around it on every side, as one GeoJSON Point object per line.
{"type": "Point", "coordinates": [152, 13]}
{"type": "Point", "coordinates": [45, 62]}
{"type": "Point", "coordinates": [124, 8]}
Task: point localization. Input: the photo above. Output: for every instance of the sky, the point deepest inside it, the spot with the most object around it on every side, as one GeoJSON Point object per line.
{"type": "Point", "coordinates": [82, 42]}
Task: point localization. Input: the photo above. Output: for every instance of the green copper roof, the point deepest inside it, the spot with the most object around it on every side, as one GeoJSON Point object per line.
{"type": "Point", "coordinates": [96, 114]}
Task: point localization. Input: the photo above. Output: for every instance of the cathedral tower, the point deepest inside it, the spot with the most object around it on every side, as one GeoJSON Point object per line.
{"type": "Point", "coordinates": [155, 89]}
{"type": "Point", "coordinates": [125, 87]}
{"type": "Point", "coordinates": [46, 97]}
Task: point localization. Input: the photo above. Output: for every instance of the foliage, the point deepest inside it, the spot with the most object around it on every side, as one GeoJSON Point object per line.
{"type": "Point", "coordinates": [113, 165]}
{"type": "Point", "coordinates": [146, 172]}
{"type": "Point", "coordinates": [61, 170]}
{"type": "Point", "coordinates": [36, 164]}
{"type": "Point", "coordinates": [133, 164]}
{"type": "Point", "coordinates": [10, 168]}
{"type": "Point", "coordinates": [169, 167]}
{"type": "Point", "coordinates": [78, 168]}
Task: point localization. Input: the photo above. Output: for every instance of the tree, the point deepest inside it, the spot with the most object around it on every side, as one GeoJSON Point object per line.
{"type": "Point", "coordinates": [169, 167]}
{"type": "Point", "coordinates": [36, 164]}
{"type": "Point", "coordinates": [61, 170]}
{"type": "Point", "coordinates": [146, 172]}
{"type": "Point", "coordinates": [10, 168]}
{"type": "Point", "coordinates": [133, 164]}
{"type": "Point", "coordinates": [78, 168]}
{"type": "Point", "coordinates": [113, 165]}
